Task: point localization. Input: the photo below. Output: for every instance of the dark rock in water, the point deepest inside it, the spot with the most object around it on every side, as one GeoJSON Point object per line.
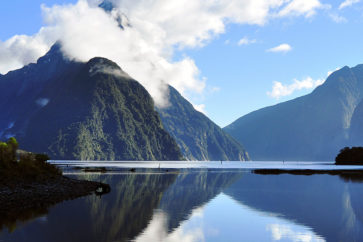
{"type": "Point", "coordinates": [197, 136]}
{"type": "Point", "coordinates": [82, 111]}
{"type": "Point", "coordinates": [95, 169]}
{"type": "Point", "coordinates": [103, 189]}
{"type": "Point", "coordinates": [312, 127]}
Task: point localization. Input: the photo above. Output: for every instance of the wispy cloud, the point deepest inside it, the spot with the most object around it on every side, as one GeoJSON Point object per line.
{"type": "Point", "coordinates": [330, 72]}
{"type": "Point", "coordinates": [348, 3]}
{"type": "Point", "coordinates": [281, 48]}
{"type": "Point", "coordinates": [246, 41]}
{"type": "Point", "coordinates": [302, 7]}
{"type": "Point", "coordinates": [200, 108]}
{"type": "Point", "coordinates": [338, 18]}
{"type": "Point", "coordinates": [280, 90]}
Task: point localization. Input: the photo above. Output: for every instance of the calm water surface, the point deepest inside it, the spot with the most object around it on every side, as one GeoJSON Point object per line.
{"type": "Point", "coordinates": [202, 205]}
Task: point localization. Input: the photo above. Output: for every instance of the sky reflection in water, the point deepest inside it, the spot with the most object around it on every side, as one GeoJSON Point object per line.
{"type": "Point", "coordinates": [205, 206]}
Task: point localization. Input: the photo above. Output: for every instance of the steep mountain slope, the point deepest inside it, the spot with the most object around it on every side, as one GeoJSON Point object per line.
{"type": "Point", "coordinates": [197, 136]}
{"type": "Point", "coordinates": [312, 127]}
{"type": "Point", "coordinates": [86, 111]}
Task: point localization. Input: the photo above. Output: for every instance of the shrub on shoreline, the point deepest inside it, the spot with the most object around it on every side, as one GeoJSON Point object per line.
{"type": "Point", "coordinates": [350, 156]}
{"type": "Point", "coordinates": [26, 167]}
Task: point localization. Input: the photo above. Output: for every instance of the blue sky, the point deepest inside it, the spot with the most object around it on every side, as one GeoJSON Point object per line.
{"type": "Point", "coordinates": [239, 77]}
{"type": "Point", "coordinates": [246, 73]}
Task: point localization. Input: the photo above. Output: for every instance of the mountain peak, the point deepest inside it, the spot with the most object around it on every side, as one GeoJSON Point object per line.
{"type": "Point", "coordinates": [103, 65]}
{"type": "Point", "coordinates": [102, 61]}
{"type": "Point", "coordinates": [54, 54]}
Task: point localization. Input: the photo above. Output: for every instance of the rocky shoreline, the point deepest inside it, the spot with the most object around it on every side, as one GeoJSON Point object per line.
{"type": "Point", "coordinates": [21, 201]}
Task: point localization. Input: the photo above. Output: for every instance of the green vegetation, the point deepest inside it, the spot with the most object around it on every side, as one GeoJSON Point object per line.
{"type": "Point", "coordinates": [25, 166]}
{"type": "Point", "coordinates": [8, 150]}
{"type": "Point", "coordinates": [350, 156]}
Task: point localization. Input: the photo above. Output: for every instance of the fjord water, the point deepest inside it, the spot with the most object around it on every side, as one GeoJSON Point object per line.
{"type": "Point", "coordinates": [204, 205]}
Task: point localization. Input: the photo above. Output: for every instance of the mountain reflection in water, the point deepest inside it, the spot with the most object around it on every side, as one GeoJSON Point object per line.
{"type": "Point", "coordinates": [201, 205]}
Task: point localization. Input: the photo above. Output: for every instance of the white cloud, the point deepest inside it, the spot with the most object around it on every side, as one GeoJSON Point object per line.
{"type": "Point", "coordinates": [246, 41]}
{"type": "Point", "coordinates": [281, 231]}
{"type": "Point", "coordinates": [281, 48]}
{"type": "Point", "coordinates": [200, 108]}
{"type": "Point", "coordinates": [330, 72]}
{"type": "Point", "coordinates": [280, 90]}
{"type": "Point", "coordinates": [152, 31]}
{"type": "Point", "coordinates": [301, 7]}
{"type": "Point", "coordinates": [214, 89]}
{"type": "Point", "coordinates": [22, 49]}
{"type": "Point", "coordinates": [348, 3]}
{"type": "Point", "coordinates": [337, 18]}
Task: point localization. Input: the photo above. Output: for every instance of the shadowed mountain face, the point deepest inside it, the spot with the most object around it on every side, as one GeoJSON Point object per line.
{"type": "Point", "coordinates": [312, 127]}
{"type": "Point", "coordinates": [356, 126]}
{"type": "Point", "coordinates": [85, 111]}
{"type": "Point", "coordinates": [197, 136]}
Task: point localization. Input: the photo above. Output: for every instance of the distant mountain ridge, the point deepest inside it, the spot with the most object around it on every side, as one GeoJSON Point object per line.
{"type": "Point", "coordinates": [311, 127]}
{"type": "Point", "coordinates": [83, 111]}
{"type": "Point", "coordinates": [197, 136]}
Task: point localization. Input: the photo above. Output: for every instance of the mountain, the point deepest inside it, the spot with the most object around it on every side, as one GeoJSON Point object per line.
{"type": "Point", "coordinates": [83, 111]}
{"type": "Point", "coordinates": [312, 127]}
{"type": "Point", "coordinates": [197, 136]}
